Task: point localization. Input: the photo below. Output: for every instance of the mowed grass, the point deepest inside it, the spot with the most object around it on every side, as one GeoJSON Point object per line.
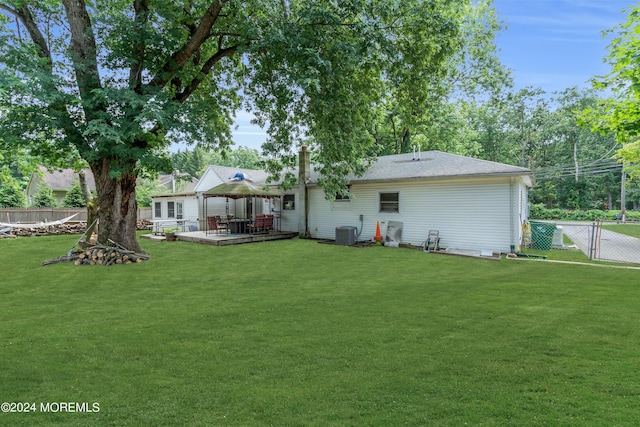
{"type": "Point", "coordinates": [632, 230]}
{"type": "Point", "coordinates": [300, 333]}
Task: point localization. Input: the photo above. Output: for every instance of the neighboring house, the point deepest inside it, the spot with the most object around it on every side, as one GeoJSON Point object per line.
{"type": "Point", "coordinates": [474, 204]}
{"type": "Point", "coordinates": [60, 181]}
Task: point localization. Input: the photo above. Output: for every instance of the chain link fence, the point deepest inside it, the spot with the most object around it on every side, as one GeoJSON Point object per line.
{"type": "Point", "coordinates": [596, 242]}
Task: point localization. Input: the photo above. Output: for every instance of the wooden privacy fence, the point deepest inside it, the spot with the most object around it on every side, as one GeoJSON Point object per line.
{"type": "Point", "coordinates": [23, 215]}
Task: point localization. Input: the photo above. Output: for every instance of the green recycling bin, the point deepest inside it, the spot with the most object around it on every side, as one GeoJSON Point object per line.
{"type": "Point", "coordinates": [542, 235]}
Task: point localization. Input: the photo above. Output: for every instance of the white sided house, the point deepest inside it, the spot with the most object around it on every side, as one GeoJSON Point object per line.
{"type": "Point", "coordinates": [176, 209]}
{"type": "Point", "coordinates": [239, 208]}
{"type": "Point", "coordinates": [473, 204]}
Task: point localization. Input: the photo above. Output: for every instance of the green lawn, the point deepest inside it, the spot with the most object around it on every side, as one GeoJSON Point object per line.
{"type": "Point", "coordinates": [628, 229]}
{"type": "Point", "coordinates": [300, 333]}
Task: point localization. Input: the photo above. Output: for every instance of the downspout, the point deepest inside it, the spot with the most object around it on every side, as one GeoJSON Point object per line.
{"type": "Point", "coordinates": [511, 214]}
{"type": "Point", "coordinates": [304, 173]}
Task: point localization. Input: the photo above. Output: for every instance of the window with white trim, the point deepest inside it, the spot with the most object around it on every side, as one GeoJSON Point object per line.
{"type": "Point", "coordinates": [157, 210]}
{"type": "Point", "coordinates": [179, 210]}
{"type": "Point", "coordinates": [171, 210]}
{"type": "Point", "coordinates": [289, 202]}
{"type": "Point", "coordinates": [390, 202]}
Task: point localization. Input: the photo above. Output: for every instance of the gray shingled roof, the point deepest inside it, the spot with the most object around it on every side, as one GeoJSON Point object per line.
{"type": "Point", "coordinates": [62, 180]}
{"type": "Point", "coordinates": [227, 172]}
{"type": "Point", "coordinates": [432, 165]}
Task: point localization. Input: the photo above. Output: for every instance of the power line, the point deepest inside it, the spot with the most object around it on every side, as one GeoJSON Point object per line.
{"type": "Point", "coordinates": [596, 167]}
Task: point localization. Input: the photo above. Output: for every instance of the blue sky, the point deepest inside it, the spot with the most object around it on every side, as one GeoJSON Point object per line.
{"type": "Point", "coordinates": [556, 44]}
{"type": "Point", "coordinates": [550, 44]}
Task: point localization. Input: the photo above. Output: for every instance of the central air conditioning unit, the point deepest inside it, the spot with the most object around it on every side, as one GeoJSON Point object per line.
{"type": "Point", "coordinates": [346, 235]}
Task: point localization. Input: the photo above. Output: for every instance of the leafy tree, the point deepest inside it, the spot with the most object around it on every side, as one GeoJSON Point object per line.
{"type": "Point", "coordinates": [74, 197]}
{"type": "Point", "coordinates": [11, 194]}
{"type": "Point", "coordinates": [146, 188]}
{"type": "Point", "coordinates": [488, 128]}
{"type": "Point", "coordinates": [621, 113]}
{"type": "Point", "coordinates": [246, 158]}
{"type": "Point", "coordinates": [577, 160]}
{"type": "Point", "coordinates": [17, 163]}
{"type": "Point", "coordinates": [44, 198]}
{"type": "Point", "coordinates": [436, 121]}
{"type": "Point", "coordinates": [110, 79]}
{"type": "Point", "coordinates": [192, 162]}
{"type": "Point", "coordinates": [241, 157]}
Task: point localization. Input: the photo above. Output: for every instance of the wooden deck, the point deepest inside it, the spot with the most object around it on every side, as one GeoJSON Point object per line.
{"type": "Point", "coordinates": [230, 239]}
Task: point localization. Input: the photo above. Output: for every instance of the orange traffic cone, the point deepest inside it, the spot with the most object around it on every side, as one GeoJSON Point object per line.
{"type": "Point", "coordinates": [378, 237]}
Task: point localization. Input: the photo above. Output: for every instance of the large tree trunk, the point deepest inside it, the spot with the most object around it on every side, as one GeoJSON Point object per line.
{"type": "Point", "coordinates": [116, 206]}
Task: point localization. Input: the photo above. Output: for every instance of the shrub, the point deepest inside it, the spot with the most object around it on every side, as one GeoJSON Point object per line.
{"type": "Point", "coordinates": [11, 195]}
{"type": "Point", "coordinates": [538, 211]}
{"type": "Point", "coordinates": [44, 198]}
{"type": "Point", "coordinates": [74, 197]}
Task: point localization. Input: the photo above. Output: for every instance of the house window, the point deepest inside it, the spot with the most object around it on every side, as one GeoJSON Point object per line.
{"type": "Point", "coordinates": [343, 197]}
{"type": "Point", "coordinates": [289, 202]}
{"type": "Point", "coordinates": [179, 210]}
{"type": "Point", "coordinates": [389, 202]}
{"type": "Point", "coordinates": [171, 209]}
{"type": "Point", "coordinates": [157, 210]}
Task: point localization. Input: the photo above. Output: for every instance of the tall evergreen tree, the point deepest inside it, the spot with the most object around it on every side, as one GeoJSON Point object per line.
{"type": "Point", "coordinates": [74, 197]}
{"type": "Point", "coordinates": [11, 194]}
{"type": "Point", "coordinates": [44, 198]}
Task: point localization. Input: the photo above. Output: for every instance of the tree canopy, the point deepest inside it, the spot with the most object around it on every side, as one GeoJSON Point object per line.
{"type": "Point", "coordinates": [112, 82]}
{"type": "Point", "coordinates": [621, 113]}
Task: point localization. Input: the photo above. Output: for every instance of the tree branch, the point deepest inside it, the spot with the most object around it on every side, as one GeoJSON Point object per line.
{"type": "Point", "coordinates": [285, 9]}
{"type": "Point", "coordinates": [58, 108]}
{"type": "Point", "coordinates": [141, 8]}
{"type": "Point", "coordinates": [24, 15]}
{"type": "Point", "coordinates": [179, 58]}
{"type": "Point", "coordinates": [82, 47]}
{"type": "Point", "coordinates": [221, 53]}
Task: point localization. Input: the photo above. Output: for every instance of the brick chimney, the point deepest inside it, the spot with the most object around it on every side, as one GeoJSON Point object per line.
{"type": "Point", "coordinates": [304, 173]}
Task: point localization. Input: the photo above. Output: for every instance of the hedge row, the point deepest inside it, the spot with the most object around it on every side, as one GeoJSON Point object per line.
{"type": "Point", "coordinates": [538, 211]}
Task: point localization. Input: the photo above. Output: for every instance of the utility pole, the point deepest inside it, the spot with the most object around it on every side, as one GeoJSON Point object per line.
{"type": "Point", "coordinates": [575, 157]}
{"type": "Point", "coordinates": [623, 201]}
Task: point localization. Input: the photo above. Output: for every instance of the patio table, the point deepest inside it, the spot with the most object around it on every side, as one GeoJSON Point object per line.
{"type": "Point", "coordinates": [238, 226]}
{"type": "Point", "coordinates": [159, 225]}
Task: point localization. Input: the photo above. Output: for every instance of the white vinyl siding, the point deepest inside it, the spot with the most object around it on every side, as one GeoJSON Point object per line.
{"type": "Point", "coordinates": [288, 217]}
{"type": "Point", "coordinates": [468, 214]}
{"type": "Point", "coordinates": [187, 205]}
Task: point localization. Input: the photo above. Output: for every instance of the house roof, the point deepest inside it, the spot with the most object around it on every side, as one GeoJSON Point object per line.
{"type": "Point", "coordinates": [432, 165]}
{"type": "Point", "coordinates": [62, 180]}
{"type": "Point", "coordinates": [227, 172]}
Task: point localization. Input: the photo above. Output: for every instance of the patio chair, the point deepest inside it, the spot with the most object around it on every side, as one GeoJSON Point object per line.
{"type": "Point", "coordinates": [257, 225]}
{"type": "Point", "coordinates": [216, 225]}
{"type": "Point", "coordinates": [268, 222]}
